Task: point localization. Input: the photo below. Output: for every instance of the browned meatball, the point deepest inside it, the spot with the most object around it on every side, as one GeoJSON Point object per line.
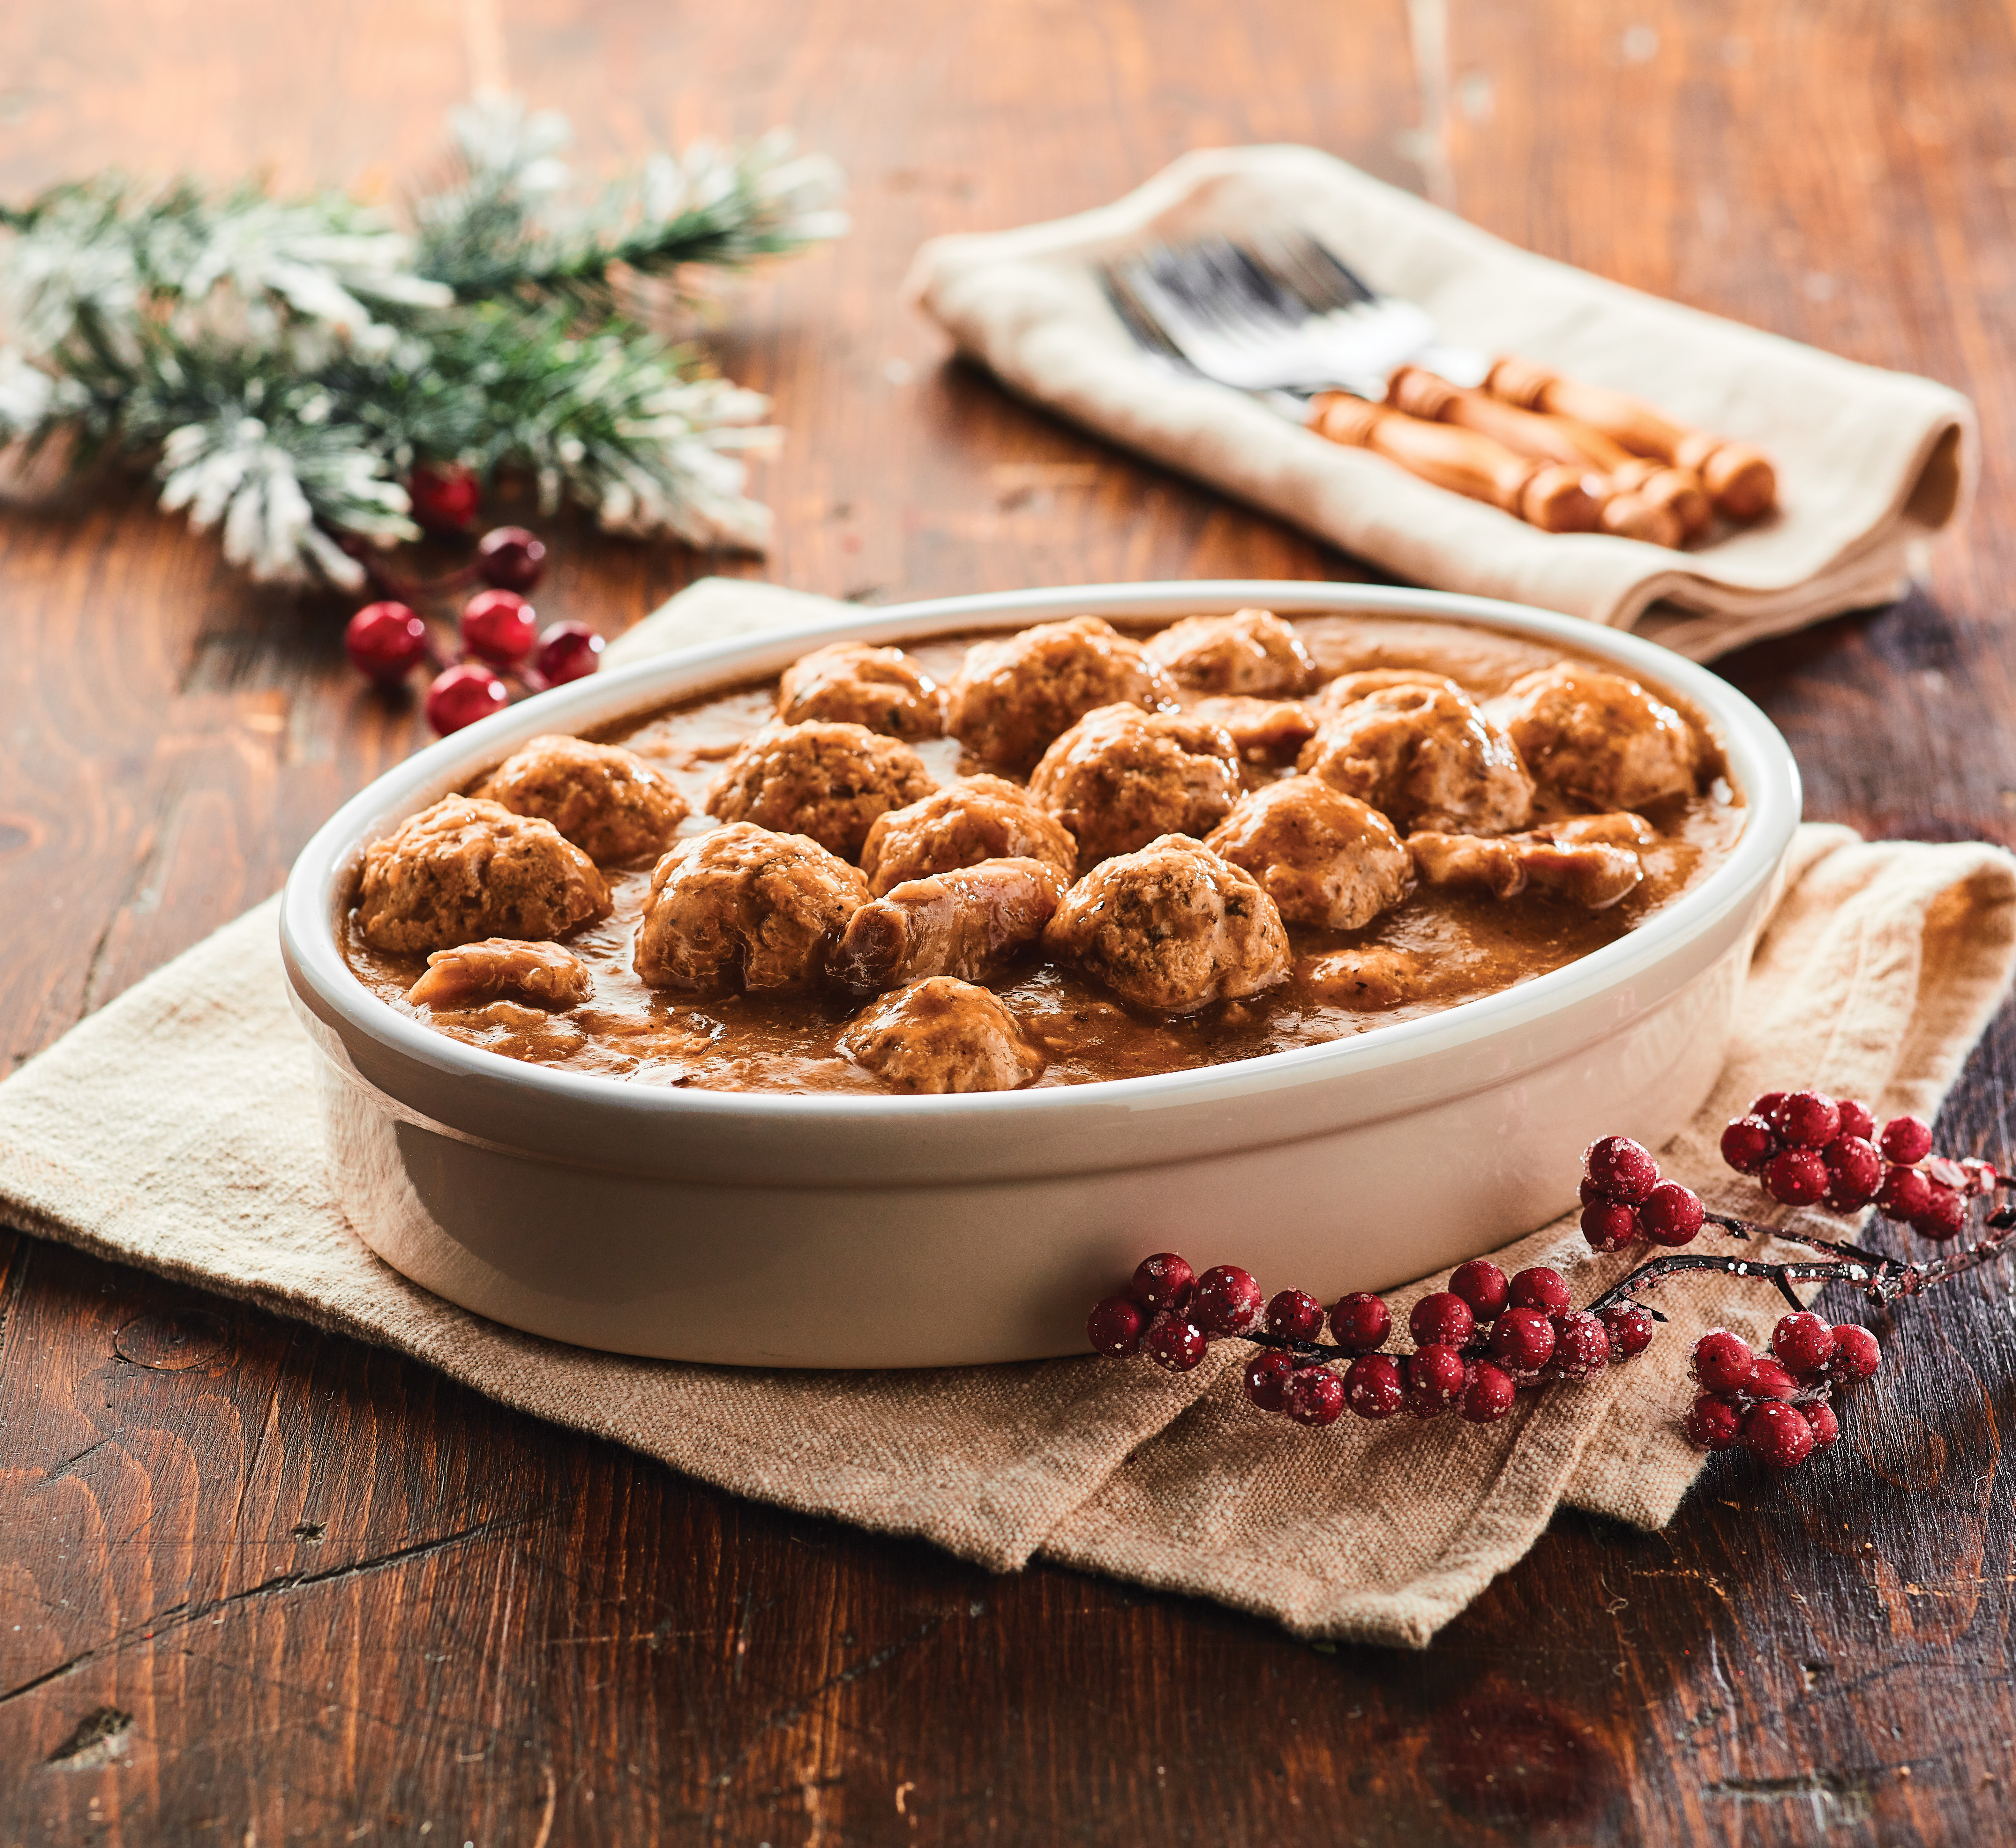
{"type": "Point", "coordinates": [465, 869]}
{"type": "Point", "coordinates": [853, 683]}
{"type": "Point", "coordinates": [608, 801]}
{"type": "Point", "coordinates": [1121, 776]}
{"type": "Point", "coordinates": [1425, 757]}
{"type": "Point", "coordinates": [942, 1035]}
{"type": "Point", "coordinates": [742, 907]}
{"type": "Point", "coordinates": [966, 922]}
{"type": "Point", "coordinates": [1251, 651]}
{"type": "Point", "coordinates": [471, 974]}
{"type": "Point", "coordinates": [1367, 980]}
{"type": "Point", "coordinates": [1171, 929]}
{"type": "Point", "coordinates": [829, 782]}
{"type": "Point", "coordinates": [1599, 738]}
{"type": "Point", "coordinates": [971, 819]}
{"type": "Point", "coordinates": [1348, 689]}
{"type": "Point", "coordinates": [1325, 858]}
{"type": "Point", "coordinates": [1015, 696]}
{"type": "Point", "coordinates": [1263, 731]}
{"type": "Point", "coordinates": [1591, 860]}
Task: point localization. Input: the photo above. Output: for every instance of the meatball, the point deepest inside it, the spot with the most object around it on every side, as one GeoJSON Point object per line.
{"type": "Point", "coordinates": [826, 781]}
{"type": "Point", "coordinates": [1325, 858]}
{"type": "Point", "coordinates": [471, 974]}
{"type": "Point", "coordinates": [966, 923]}
{"type": "Point", "coordinates": [941, 1035]}
{"type": "Point", "coordinates": [1425, 757]}
{"type": "Point", "coordinates": [1121, 776]}
{"type": "Point", "coordinates": [1368, 980]}
{"type": "Point", "coordinates": [608, 801]}
{"type": "Point", "coordinates": [1013, 696]}
{"type": "Point", "coordinates": [1348, 689]}
{"type": "Point", "coordinates": [853, 683]}
{"type": "Point", "coordinates": [1598, 738]}
{"type": "Point", "coordinates": [971, 819]}
{"type": "Point", "coordinates": [742, 907]}
{"type": "Point", "coordinates": [1591, 860]}
{"type": "Point", "coordinates": [1261, 731]}
{"type": "Point", "coordinates": [1251, 651]}
{"type": "Point", "coordinates": [1171, 929]}
{"type": "Point", "coordinates": [465, 869]}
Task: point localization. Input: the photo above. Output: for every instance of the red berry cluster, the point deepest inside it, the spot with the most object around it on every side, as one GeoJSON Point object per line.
{"type": "Point", "coordinates": [1807, 1149]}
{"type": "Point", "coordinates": [1777, 1406]}
{"type": "Point", "coordinates": [1623, 1201]}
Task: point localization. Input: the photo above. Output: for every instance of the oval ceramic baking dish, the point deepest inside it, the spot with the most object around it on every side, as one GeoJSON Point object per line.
{"type": "Point", "coordinates": [844, 1231]}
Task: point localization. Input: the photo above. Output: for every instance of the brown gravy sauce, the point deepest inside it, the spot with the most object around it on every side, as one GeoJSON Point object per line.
{"type": "Point", "coordinates": [1478, 945]}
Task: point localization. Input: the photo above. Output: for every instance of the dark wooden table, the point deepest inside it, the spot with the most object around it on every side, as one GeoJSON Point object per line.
{"type": "Point", "coordinates": [257, 1585]}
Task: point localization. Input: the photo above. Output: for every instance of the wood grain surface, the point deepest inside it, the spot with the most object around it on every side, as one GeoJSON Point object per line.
{"type": "Point", "coordinates": [261, 1585]}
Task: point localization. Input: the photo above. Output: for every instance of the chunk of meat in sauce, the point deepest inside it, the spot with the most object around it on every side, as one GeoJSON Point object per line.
{"type": "Point", "coordinates": [966, 923]}
{"type": "Point", "coordinates": [465, 869]}
{"type": "Point", "coordinates": [853, 683]}
{"type": "Point", "coordinates": [608, 801]}
{"type": "Point", "coordinates": [971, 819]}
{"type": "Point", "coordinates": [941, 1035]}
{"type": "Point", "coordinates": [1251, 651]}
{"type": "Point", "coordinates": [1171, 929]}
{"type": "Point", "coordinates": [1326, 859]}
{"type": "Point", "coordinates": [1598, 738]}
{"type": "Point", "coordinates": [1119, 777]}
{"type": "Point", "coordinates": [1014, 696]}
{"type": "Point", "coordinates": [744, 908]}
{"type": "Point", "coordinates": [1261, 731]}
{"type": "Point", "coordinates": [827, 781]}
{"type": "Point", "coordinates": [471, 974]}
{"type": "Point", "coordinates": [1348, 689]}
{"type": "Point", "coordinates": [1590, 873]}
{"type": "Point", "coordinates": [1425, 757]}
{"type": "Point", "coordinates": [1368, 981]}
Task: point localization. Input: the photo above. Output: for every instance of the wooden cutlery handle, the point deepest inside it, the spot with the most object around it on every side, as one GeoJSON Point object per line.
{"type": "Point", "coordinates": [1549, 496]}
{"type": "Point", "coordinates": [1739, 480]}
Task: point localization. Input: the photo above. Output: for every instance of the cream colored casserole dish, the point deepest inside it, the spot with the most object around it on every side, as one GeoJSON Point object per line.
{"type": "Point", "coordinates": [838, 1229]}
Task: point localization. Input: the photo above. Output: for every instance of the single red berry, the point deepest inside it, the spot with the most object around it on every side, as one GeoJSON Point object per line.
{"type": "Point", "coordinates": [1803, 1342]}
{"type": "Point", "coordinates": [1174, 1342]}
{"type": "Point", "coordinates": [1747, 1144]}
{"type": "Point", "coordinates": [462, 695]}
{"type": "Point", "coordinates": [1713, 1423]}
{"type": "Point", "coordinates": [1115, 1326]}
{"type": "Point", "coordinates": [1372, 1386]}
{"type": "Point", "coordinates": [1295, 1315]}
{"type": "Point", "coordinates": [568, 651]}
{"type": "Point", "coordinates": [1541, 1289]}
{"type": "Point", "coordinates": [1769, 1380]}
{"type": "Point", "coordinates": [445, 498]}
{"type": "Point", "coordinates": [1360, 1322]}
{"type": "Point", "coordinates": [1855, 1166]}
{"type": "Point", "coordinates": [1623, 1169]}
{"type": "Point", "coordinates": [1764, 1106]}
{"type": "Point", "coordinates": [1671, 1214]}
{"type": "Point", "coordinates": [1522, 1340]}
{"type": "Point", "coordinates": [1856, 1355]}
{"type": "Point", "coordinates": [1855, 1119]}
{"type": "Point", "coordinates": [1904, 1195]}
{"type": "Point", "coordinates": [1826, 1427]}
{"type": "Point", "coordinates": [1944, 1216]}
{"type": "Point", "coordinates": [1581, 1345]}
{"type": "Point", "coordinates": [1906, 1139]}
{"type": "Point", "coordinates": [1632, 1327]}
{"type": "Point", "coordinates": [1591, 1192]}
{"type": "Point", "coordinates": [1435, 1378]}
{"type": "Point", "coordinates": [511, 558]}
{"type": "Point", "coordinates": [385, 642]}
{"type": "Point", "coordinates": [1723, 1361]}
{"type": "Point", "coordinates": [1981, 1177]}
{"type": "Point", "coordinates": [1609, 1225]}
{"type": "Point", "coordinates": [1777, 1435]}
{"type": "Point", "coordinates": [1806, 1120]}
{"type": "Point", "coordinates": [1315, 1396]}
{"type": "Point", "coordinates": [1482, 1285]}
{"type": "Point", "coordinates": [1229, 1301]}
{"type": "Point", "coordinates": [1795, 1177]}
{"type": "Point", "coordinates": [1488, 1393]}
{"type": "Point", "coordinates": [1267, 1376]}
{"type": "Point", "coordinates": [1164, 1282]}
{"type": "Point", "coordinates": [1442, 1319]}
{"type": "Point", "coordinates": [500, 627]}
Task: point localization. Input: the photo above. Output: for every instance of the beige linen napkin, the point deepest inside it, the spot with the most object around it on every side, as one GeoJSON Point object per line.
{"type": "Point", "coordinates": [176, 1129]}
{"type": "Point", "coordinates": [1870, 464]}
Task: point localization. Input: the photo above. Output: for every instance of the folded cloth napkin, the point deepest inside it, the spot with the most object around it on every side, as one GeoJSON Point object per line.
{"type": "Point", "coordinates": [176, 1129]}
{"type": "Point", "coordinates": [1870, 464]}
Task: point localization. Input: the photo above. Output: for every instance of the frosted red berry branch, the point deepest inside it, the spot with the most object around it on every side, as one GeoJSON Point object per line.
{"type": "Point", "coordinates": [1486, 1337]}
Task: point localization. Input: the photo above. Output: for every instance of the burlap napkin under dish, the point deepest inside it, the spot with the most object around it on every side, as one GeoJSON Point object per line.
{"type": "Point", "coordinates": [176, 1129]}
{"type": "Point", "coordinates": [1871, 463]}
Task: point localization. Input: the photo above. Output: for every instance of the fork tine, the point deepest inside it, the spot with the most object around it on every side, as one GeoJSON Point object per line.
{"type": "Point", "coordinates": [1330, 275]}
